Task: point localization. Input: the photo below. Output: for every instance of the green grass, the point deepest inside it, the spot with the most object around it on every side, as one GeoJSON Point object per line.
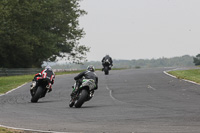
{"type": "Point", "coordinates": [6, 130]}
{"type": "Point", "coordinates": [10, 82]}
{"type": "Point", "coordinates": [3, 130]}
{"type": "Point", "coordinates": [193, 74]}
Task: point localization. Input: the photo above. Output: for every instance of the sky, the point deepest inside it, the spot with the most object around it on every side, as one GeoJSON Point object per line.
{"type": "Point", "coordinates": [140, 29]}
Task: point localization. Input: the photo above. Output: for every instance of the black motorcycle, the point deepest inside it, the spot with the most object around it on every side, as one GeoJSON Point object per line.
{"type": "Point", "coordinates": [107, 67]}
{"type": "Point", "coordinates": [39, 91]}
{"type": "Point", "coordinates": [84, 93]}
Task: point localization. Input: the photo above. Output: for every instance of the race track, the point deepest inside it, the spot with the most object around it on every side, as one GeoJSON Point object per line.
{"type": "Point", "coordinates": [132, 101]}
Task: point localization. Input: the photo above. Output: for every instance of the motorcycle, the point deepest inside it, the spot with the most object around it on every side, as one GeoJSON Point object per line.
{"type": "Point", "coordinates": [39, 91]}
{"type": "Point", "coordinates": [84, 93]}
{"type": "Point", "coordinates": [107, 67]}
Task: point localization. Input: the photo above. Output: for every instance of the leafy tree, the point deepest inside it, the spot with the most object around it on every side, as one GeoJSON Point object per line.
{"type": "Point", "coordinates": [33, 31]}
{"type": "Point", "coordinates": [196, 60]}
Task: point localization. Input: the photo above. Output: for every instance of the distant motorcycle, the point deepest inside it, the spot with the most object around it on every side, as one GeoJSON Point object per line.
{"type": "Point", "coordinates": [107, 67]}
{"type": "Point", "coordinates": [84, 93]}
{"type": "Point", "coordinates": [41, 89]}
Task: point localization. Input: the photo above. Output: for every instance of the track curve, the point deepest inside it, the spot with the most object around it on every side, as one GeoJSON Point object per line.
{"type": "Point", "coordinates": [135, 100]}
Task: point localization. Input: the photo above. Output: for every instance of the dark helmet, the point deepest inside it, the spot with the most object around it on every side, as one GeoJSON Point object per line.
{"type": "Point", "coordinates": [107, 55]}
{"type": "Point", "coordinates": [91, 68]}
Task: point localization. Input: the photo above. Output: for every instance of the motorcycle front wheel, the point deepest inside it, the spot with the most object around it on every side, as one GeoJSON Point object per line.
{"type": "Point", "coordinates": [71, 103]}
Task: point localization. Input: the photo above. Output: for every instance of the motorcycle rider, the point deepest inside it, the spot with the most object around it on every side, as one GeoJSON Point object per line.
{"type": "Point", "coordinates": [47, 71]}
{"type": "Point", "coordinates": [107, 57]}
{"type": "Point", "coordinates": [88, 74]}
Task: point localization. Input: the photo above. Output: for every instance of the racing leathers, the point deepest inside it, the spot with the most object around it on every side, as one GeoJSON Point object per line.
{"type": "Point", "coordinates": [107, 57]}
{"type": "Point", "coordinates": [45, 73]}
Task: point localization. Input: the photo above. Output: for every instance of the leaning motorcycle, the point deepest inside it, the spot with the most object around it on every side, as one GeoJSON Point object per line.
{"type": "Point", "coordinates": [106, 67]}
{"type": "Point", "coordinates": [84, 93]}
{"type": "Point", "coordinates": [39, 91]}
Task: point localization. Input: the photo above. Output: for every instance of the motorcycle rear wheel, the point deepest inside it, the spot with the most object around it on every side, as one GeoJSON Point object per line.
{"type": "Point", "coordinates": [37, 95]}
{"type": "Point", "coordinates": [82, 98]}
{"type": "Point", "coordinates": [106, 70]}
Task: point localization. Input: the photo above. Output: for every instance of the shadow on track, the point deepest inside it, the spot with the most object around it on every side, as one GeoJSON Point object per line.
{"type": "Point", "coordinates": [87, 107]}
{"type": "Point", "coordinates": [47, 101]}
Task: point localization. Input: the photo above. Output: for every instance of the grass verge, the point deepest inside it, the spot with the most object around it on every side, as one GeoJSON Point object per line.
{"type": "Point", "coordinates": [6, 130]}
{"type": "Point", "coordinates": [10, 82]}
{"type": "Point", "coordinates": [193, 74]}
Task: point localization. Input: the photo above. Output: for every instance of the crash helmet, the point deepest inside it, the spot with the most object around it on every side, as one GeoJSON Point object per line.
{"type": "Point", "coordinates": [91, 68]}
{"type": "Point", "coordinates": [107, 55]}
{"type": "Point", "coordinates": [48, 67]}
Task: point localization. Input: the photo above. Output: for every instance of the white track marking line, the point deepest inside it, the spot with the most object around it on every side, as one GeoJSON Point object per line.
{"type": "Point", "coordinates": [169, 74]}
{"type": "Point", "coordinates": [151, 87]}
{"type": "Point", "coordinates": [165, 72]}
{"type": "Point", "coordinates": [110, 91]}
{"type": "Point", "coordinates": [191, 81]}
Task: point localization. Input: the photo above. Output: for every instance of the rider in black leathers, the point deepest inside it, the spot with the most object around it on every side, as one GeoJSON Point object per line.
{"type": "Point", "coordinates": [88, 74]}
{"type": "Point", "coordinates": [109, 59]}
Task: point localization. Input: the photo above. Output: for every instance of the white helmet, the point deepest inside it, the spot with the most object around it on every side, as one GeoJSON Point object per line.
{"type": "Point", "coordinates": [48, 67]}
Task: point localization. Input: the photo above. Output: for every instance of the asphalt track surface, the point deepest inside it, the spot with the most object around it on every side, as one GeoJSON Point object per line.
{"type": "Point", "coordinates": [134, 101]}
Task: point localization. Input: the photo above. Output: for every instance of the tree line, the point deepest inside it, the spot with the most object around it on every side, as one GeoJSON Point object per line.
{"type": "Point", "coordinates": [34, 31]}
{"type": "Point", "coordinates": [196, 60]}
{"type": "Point", "coordinates": [185, 60]}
